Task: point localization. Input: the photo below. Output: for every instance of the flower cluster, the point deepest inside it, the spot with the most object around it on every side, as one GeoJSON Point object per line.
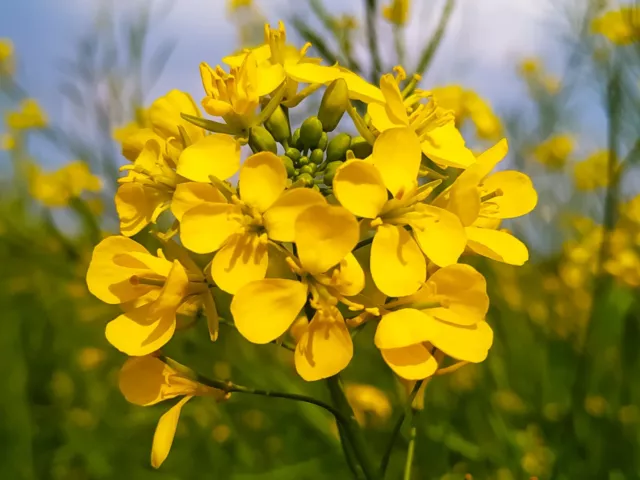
{"type": "Point", "coordinates": [321, 231]}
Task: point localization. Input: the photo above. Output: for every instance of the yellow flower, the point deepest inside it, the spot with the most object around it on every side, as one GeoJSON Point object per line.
{"type": "Point", "coordinates": [264, 310]}
{"type": "Point", "coordinates": [234, 5]}
{"type": "Point", "coordinates": [592, 173]}
{"type": "Point", "coordinates": [273, 60]}
{"type": "Point", "coordinates": [239, 229]}
{"type": "Point", "coordinates": [147, 381]}
{"type": "Point", "coordinates": [397, 11]}
{"type": "Point", "coordinates": [435, 127]}
{"type": "Point", "coordinates": [446, 314]}
{"type": "Point", "coordinates": [7, 141]}
{"type": "Point", "coordinates": [150, 290]}
{"type": "Point", "coordinates": [30, 116]}
{"type": "Point", "coordinates": [6, 57]}
{"type": "Point", "coordinates": [398, 265]}
{"type": "Point", "coordinates": [368, 402]}
{"type": "Point", "coordinates": [621, 27]}
{"type": "Point", "coordinates": [555, 151]}
{"type": "Point", "coordinates": [530, 67]}
{"type": "Point", "coordinates": [481, 199]}
{"type": "Point", "coordinates": [161, 122]}
{"type": "Point", "coordinates": [56, 189]}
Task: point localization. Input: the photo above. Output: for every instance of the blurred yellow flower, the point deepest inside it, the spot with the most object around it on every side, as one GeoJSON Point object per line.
{"type": "Point", "coordinates": [233, 5]}
{"type": "Point", "coordinates": [29, 116]}
{"type": "Point", "coordinates": [57, 189]}
{"type": "Point", "coordinates": [530, 66]}
{"type": "Point", "coordinates": [621, 27]}
{"type": "Point", "coordinates": [7, 141]}
{"type": "Point", "coordinates": [596, 405]}
{"type": "Point", "coordinates": [148, 380]}
{"type": "Point", "coordinates": [369, 403]}
{"type": "Point", "coordinates": [90, 358]}
{"type": "Point", "coordinates": [554, 152]}
{"type": "Point", "coordinates": [6, 57]}
{"type": "Point", "coordinates": [592, 173]}
{"type": "Point", "coordinates": [397, 11]}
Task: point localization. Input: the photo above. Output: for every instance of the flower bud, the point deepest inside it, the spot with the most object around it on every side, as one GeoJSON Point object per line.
{"type": "Point", "coordinates": [338, 146]}
{"type": "Point", "coordinates": [310, 132]}
{"type": "Point", "coordinates": [260, 140]}
{"type": "Point", "coordinates": [293, 153]}
{"type": "Point", "coordinates": [295, 139]}
{"type": "Point", "coordinates": [306, 178]}
{"type": "Point", "coordinates": [360, 147]}
{"type": "Point", "coordinates": [324, 140]}
{"type": "Point", "coordinates": [311, 169]}
{"type": "Point", "coordinates": [333, 105]}
{"type": "Point", "coordinates": [278, 125]}
{"type": "Point", "coordinates": [330, 172]}
{"type": "Point", "coordinates": [288, 165]}
{"type": "Point", "coordinates": [302, 161]}
{"type": "Point", "coordinates": [317, 156]}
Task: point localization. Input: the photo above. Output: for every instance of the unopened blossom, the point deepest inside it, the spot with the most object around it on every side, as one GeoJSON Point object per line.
{"type": "Point", "coordinates": [397, 12]}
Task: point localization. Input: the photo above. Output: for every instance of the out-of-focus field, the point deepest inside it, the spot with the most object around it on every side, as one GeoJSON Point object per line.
{"type": "Point", "coordinates": [558, 396]}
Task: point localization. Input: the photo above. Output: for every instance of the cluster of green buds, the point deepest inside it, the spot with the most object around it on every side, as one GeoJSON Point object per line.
{"type": "Point", "coordinates": [312, 152]}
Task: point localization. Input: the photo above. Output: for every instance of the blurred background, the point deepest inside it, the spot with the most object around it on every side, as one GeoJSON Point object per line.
{"type": "Point", "coordinates": [559, 395]}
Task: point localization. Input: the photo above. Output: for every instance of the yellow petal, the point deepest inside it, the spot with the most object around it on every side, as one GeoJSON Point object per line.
{"type": "Point", "coordinates": [215, 155]}
{"type": "Point", "coordinates": [280, 218]}
{"type": "Point", "coordinates": [269, 78]}
{"type": "Point", "coordinates": [394, 104]}
{"type": "Point", "coordinates": [264, 310]}
{"type": "Point", "coordinates": [350, 277]}
{"type": "Point", "coordinates": [468, 343]}
{"type": "Point", "coordinates": [398, 266]}
{"type": "Point", "coordinates": [516, 195]}
{"type": "Point", "coordinates": [324, 235]}
{"type": "Point", "coordinates": [148, 380]}
{"type": "Point", "coordinates": [445, 146]}
{"type": "Point", "coordinates": [413, 362]}
{"type": "Point", "coordinates": [490, 158]}
{"type": "Point", "coordinates": [191, 194]}
{"type": "Point", "coordinates": [112, 267]}
{"type": "Point", "coordinates": [464, 199]}
{"type": "Point", "coordinates": [360, 188]}
{"type": "Point", "coordinates": [462, 290]}
{"type": "Point", "coordinates": [397, 156]}
{"type": "Point", "coordinates": [497, 245]}
{"type": "Point", "coordinates": [207, 227]}
{"type": "Point", "coordinates": [149, 327]}
{"type": "Point", "coordinates": [164, 115]}
{"type": "Point", "coordinates": [262, 53]}
{"type": "Point", "coordinates": [402, 328]}
{"type": "Point", "coordinates": [359, 89]}
{"type": "Point", "coordinates": [135, 206]}
{"type": "Point", "coordinates": [326, 348]}
{"type": "Point", "coordinates": [165, 431]}
{"type": "Point", "coordinates": [440, 235]}
{"type": "Point", "coordinates": [262, 180]}
{"type": "Point", "coordinates": [379, 118]}
{"type": "Point", "coordinates": [241, 260]}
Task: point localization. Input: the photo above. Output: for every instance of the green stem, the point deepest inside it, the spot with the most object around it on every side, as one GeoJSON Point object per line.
{"type": "Point", "coordinates": [396, 429]}
{"type": "Point", "coordinates": [415, 413]}
{"type": "Point", "coordinates": [352, 430]}
{"type": "Point", "coordinates": [349, 454]}
{"type": "Point", "coordinates": [398, 42]}
{"type": "Point", "coordinates": [431, 48]}
{"type": "Point", "coordinates": [372, 39]}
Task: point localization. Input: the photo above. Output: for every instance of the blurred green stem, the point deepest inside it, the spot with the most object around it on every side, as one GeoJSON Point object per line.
{"type": "Point", "coordinates": [431, 48]}
{"type": "Point", "coordinates": [415, 413]}
{"type": "Point", "coordinates": [396, 429]}
{"type": "Point", "coordinates": [352, 430]}
{"type": "Point", "coordinates": [372, 39]}
{"type": "Point", "coordinates": [398, 42]}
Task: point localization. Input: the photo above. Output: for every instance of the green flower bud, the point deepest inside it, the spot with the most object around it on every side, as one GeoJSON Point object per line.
{"type": "Point", "coordinates": [330, 172]}
{"type": "Point", "coordinates": [260, 140]}
{"type": "Point", "coordinates": [310, 132]}
{"type": "Point", "coordinates": [361, 148]}
{"type": "Point", "coordinates": [293, 153]}
{"type": "Point", "coordinates": [324, 140]}
{"type": "Point", "coordinates": [306, 178]}
{"type": "Point", "coordinates": [295, 139]}
{"type": "Point", "coordinates": [311, 169]}
{"type": "Point", "coordinates": [288, 164]}
{"type": "Point", "coordinates": [278, 125]}
{"type": "Point", "coordinates": [296, 172]}
{"type": "Point", "coordinates": [338, 146]}
{"type": "Point", "coordinates": [316, 187]}
{"type": "Point", "coordinates": [303, 161]}
{"type": "Point", "coordinates": [334, 104]}
{"type": "Point", "coordinates": [317, 156]}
